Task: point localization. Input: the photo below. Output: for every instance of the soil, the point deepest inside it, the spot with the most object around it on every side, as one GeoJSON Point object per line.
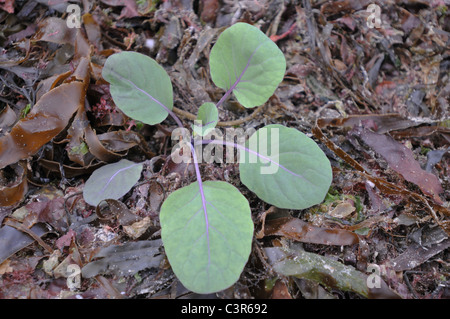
{"type": "Point", "coordinates": [367, 80]}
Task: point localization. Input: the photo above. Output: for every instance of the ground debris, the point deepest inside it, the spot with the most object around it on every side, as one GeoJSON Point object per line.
{"type": "Point", "coordinates": [373, 92]}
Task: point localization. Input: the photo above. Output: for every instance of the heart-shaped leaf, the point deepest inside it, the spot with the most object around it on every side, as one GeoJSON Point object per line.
{"type": "Point", "coordinates": [111, 181]}
{"type": "Point", "coordinates": [295, 175]}
{"type": "Point", "coordinates": [245, 61]}
{"type": "Point", "coordinates": [207, 248]}
{"type": "Point", "coordinates": [140, 87]}
{"type": "Point", "coordinates": [207, 118]}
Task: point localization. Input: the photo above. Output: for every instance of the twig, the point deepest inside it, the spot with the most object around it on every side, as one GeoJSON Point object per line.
{"type": "Point", "coordinates": [242, 120]}
{"type": "Point", "coordinates": [184, 113]}
{"type": "Point", "coordinates": [408, 283]}
{"type": "Point", "coordinates": [109, 288]}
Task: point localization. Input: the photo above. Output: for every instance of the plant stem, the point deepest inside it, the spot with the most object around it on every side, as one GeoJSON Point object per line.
{"type": "Point", "coordinates": [185, 114]}
{"type": "Point", "coordinates": [176, 118]}
{"type": "Point", "coordinates": [225, 96]}
{"type": "Point", "coordinates": [202, 195]}
{"type": "Point", "coordinates": [238, 79]}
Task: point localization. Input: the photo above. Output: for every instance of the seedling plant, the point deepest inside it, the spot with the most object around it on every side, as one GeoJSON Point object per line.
{"type": "Point", "coordinates": [206, 227]}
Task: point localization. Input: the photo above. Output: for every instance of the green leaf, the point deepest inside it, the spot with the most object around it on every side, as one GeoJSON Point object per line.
{"type": "Point", "coordinates": [207, 119]}
{"type": "Point", "coordinates": [140, 87]}
{"type": "Point", "coordinates": [81, 149]}
{"type": "Point", "coordinates": [25, 111]}
{"type": "Point", "coordinates": [111, 181]}
{"type": "Point", "coordinates": [285, 168]}
{"type": "Point", "coordinates": [207, 250]}
{"type": "Point", "coordinates": [247, 62]}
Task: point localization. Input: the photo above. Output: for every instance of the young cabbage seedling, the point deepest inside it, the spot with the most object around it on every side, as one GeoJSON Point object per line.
{"type": "Point", "coordinates": [206, 227]}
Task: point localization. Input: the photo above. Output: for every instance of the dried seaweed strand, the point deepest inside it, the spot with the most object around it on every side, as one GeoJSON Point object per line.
{"type": "Point", "coordinates": [17, 225]}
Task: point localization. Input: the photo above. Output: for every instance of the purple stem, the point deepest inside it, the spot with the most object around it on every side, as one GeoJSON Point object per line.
{"type": "Point", "coordinates": [202, 195]}
{"type": "Point", "coordinates": [197, 169]}
{"type": "Point", "coordinates": [224, 97]}
{"type": "Point", "coordinates": [238, 80]}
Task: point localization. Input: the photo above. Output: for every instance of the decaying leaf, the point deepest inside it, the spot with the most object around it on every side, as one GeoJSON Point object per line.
{"type": "Point", "coordinates": [7, 5]}
{"type": "Point", "coordinates": [380, 123]}
{"type": "Point", "coordinates": [129, 10]}
{"type": "Point", "coordinates": [342, 210]}
{"type": "Point", "coordinates": [44, 122]}
{"type": "Point", "coordinates": [299, 230]}
{"type": "Point", "coordinates": [280, 291]}
{"type": "Point", "coordinates": [92, 30]}
{"type": "Point", "coordinates": [56, 30]}
{"type": "Point", "coordinates": [156, 197]}
{"type": "Point", "coordinates": [125, 260]}
{"type": "Point", "coordinates": [434, 157]}
{"type": "Point", "coordinates": [7, 119]}
{"type": "Point", "coordinates": [50, 264]}
{"type": "Point", "coordinates": [47, 206]}
{"type": "Point", "coordinates": [429, 243]}
{"type": "Point", "coordinates": [137, 229]}
{"type": "Point", "coordinates": [63, 269]}
{"type": "Point", "coordinates": [401, 159]}
{"type": "Point", "coordinates": [13, 184]}
{"type": "Point", "coordinates": [115, 209]}
{"type": "Point", "coordinates": [5, 267]}
{"type": "Point", "coordinates": [344, 6]}
{"type": "Point", "coordinates": [47, 118]}
{"type": "Point", "coordinates": [13, 240]}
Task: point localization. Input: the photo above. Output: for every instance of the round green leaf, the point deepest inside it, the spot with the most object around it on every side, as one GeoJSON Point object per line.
{"type": "Point", "coordinates": [247, 62]}
{"type": "Point", "coordinates": [111, 181]}
{"type": "Point", "coordinates": [285, 168]}
{"type": "Point", "coordinates": [140, 87]}
{"type": "Point", "coordinates": [207, 250]}
{"type": "Point", "coordinates": [207, 118]}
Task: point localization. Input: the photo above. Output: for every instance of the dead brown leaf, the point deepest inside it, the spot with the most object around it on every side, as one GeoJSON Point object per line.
{"type": "Point", "coordinates": [13, 184]}
{"type": "Point", "coordinates": [299, 230]}
{"type": "Point", "coordinates": [401, 159]}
